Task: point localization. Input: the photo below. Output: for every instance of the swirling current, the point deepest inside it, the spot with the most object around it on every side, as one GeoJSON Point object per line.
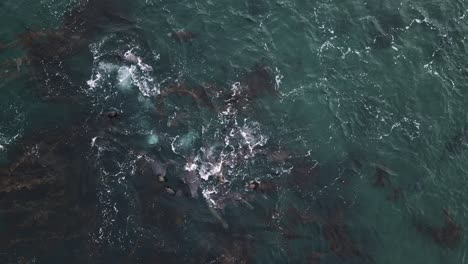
{"type": "Point", "coordinates": [249, 131]}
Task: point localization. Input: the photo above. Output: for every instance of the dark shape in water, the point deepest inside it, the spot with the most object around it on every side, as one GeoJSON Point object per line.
{"type": "Point", "coordinates": [276, 153]}
{"type": "Point", "coordinates": [257, 83]}
{"type": "Point", "coordinates": [458, 142]}
{"type": "Point", "coordinates": [382, 41]}
{"type": "Point", "coordinates": [260, 81]}
{"type": "Point", "coordinates": [382, 177]}
{"type": "Point", "coordinates": [162, 214]}
{"type": "Point", "coordinates": [356, 165]}
{"type": "Point", "coordinates": [449, 235]}
{"type": "Point", "coordinates": [257, 7]}
{"type": "Point", "coordinates": [48, 199]}
{"type": "Point", "coordinates": [216, 214]}
{"type": "Point", "coordinates": [192, 180]}
{"type": "Point", "coordinates": [396, 194]}
{"type": "Point", "coordinates": [336, 232]}
{"type": "Point", "coordinates": [183, 35]}
{"type": "Point", "coordinates": [304, 174]}
{"type": "Point", "coordinates": [390, 22]}
{"type": "Point", "coordinates": [297, 217]}
{"type": "Point", "coordinates": [385, 28]}
{"type": "Point", "coordinates": [315, 257]}
{"type": "Point", "coordinates": [199, 96]}
{"type": "Point", "coordinates": [280, 156]}
{"type": "Point", "coordinates": [254, 185]}
{"type": "Point", "coordinates": [90, 16]}
{"type": "Point", "coordinates": [50, 52]}
{"type": "Point", "coordinates": [265, 186]}
{"type": "Point", "coordinates": [113, 114]}
{"type": "Point", "coordinates": [163, 179]}
{"type": "Point", "coordinates": [7, 67]}
{"type": "Point", "coordinates": [169, 190]}
{"type": "Point", "coordinates": [236, 248]}
{"type": "Point", "coordinates": [224, 197]}
{"type": "Point", "coordinates": [159, 169]}
{"type": "Point", "coordinates": [288, 233]}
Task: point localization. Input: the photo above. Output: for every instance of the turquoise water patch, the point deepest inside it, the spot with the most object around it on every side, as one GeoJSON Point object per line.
{"type": "Point", "coordinates": [152, 139]}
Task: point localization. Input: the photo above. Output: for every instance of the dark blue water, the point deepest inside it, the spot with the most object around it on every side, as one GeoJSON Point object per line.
{"type": "Point", "coordinates": [248, 131]}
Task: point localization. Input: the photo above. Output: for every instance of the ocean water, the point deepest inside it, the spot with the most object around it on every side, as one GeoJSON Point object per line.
{"type": "Point", "coordinates": [349, 115]}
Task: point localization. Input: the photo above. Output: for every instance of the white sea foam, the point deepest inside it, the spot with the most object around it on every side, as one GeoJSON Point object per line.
{"type": "Point", "coordinates": [190, 166]}
{"type": "Point", "coordinates": [124, 78]}
{"type": "Point", "coordinates": [252, 136]}
{"type": "Point", "coordinates": [208, 192]}
{"type": "Point", "coordinates": [225, 156]}
{"type": "Point", "coordinates": [93, 141]}
{"type": "Point", "coordinates": [136, 73]}
{"type": "Point", "coordinates": [93, 82]}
